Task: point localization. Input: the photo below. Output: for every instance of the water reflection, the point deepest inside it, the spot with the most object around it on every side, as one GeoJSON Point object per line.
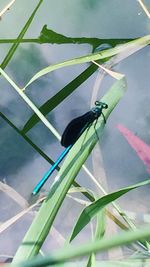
{"type": "Point", "coordinates": [19, 163]}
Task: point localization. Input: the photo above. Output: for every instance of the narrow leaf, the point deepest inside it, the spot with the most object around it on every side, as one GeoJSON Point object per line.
{"type": "Point", "coordinates": [52, 37]}
{"type": "Point", "coordinates": [89, 212]}
{"type": "Point", "coordinates": [30, 104]}
{"type": "Point", "coordinates": [71, 252]}
{"type": "Point", "coordinates": [13, 194]}
{"type": "Point", "coordinates": [76, 157]}
{"type": "Point", "coordinates": [137, 44]}
{"type": "Point", "coordinates": [20, 36]}
{"type": "Point", "coordinates": [59, 97]}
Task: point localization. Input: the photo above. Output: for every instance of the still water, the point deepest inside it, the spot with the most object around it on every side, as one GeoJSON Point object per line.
{"type": "Point", "coordinates": [20, 166]}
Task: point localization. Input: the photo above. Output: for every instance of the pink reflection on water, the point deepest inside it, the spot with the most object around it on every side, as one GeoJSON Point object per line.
{"type": "Point", "coordinates": [141, 148]}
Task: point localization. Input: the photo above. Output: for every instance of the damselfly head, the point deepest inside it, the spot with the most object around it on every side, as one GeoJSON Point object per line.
{"type": "Point", "coordinates": [101, 105]}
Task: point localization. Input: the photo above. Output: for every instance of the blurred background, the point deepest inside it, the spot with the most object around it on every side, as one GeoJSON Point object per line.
{"type": "Point", "coordinates": [20, 166]}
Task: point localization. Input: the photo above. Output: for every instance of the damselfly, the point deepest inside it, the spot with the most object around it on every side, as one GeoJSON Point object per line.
{"type": "Point", "coordinates": [71, 134]}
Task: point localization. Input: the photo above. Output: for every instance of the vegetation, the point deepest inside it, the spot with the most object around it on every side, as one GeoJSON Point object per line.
{"type": "Point", "coordinates": [28, 253]}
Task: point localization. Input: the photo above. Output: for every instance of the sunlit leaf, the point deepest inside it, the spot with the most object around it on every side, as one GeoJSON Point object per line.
{"type": "Point", "coordinates": [136, 45]}
{"type": "Point", "coordinates": [89, 212]}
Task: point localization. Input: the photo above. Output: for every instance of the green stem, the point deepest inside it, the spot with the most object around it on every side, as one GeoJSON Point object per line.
{"type": "Point", "coordinates": [8, 41]}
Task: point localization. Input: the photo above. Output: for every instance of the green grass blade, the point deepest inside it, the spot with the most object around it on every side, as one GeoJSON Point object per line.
{"type": "Point", "coordinates": [89, 212]}
{"type": "Point", "coordinates": [30, 104]}
{"type": "Point", "coordinates": [10, 41]}
{"type": "Point", "coordinates": [136, 44]}
{"type": "Point", "coordinates": [60, 96]}
{"type": "Point", "coordinates": [27, 139]}
{"type": "Point", "coordinates": [52, 37]}
{"type": "Point", "coordinates": [47, 158]}
{"type": "Point", "coordinates": [82, 40]}
{"type": "Point", "coordinates": [100, 225]}
{"type": "Point", "coordinates": [37, 149]}
{"type": "Point", "coordinates": [99, 233]}
{"type": "Point", "coordinates": [41, 225]}
{"type": "Point", "coordinates": [91, 260]}
{"type": "Point", "coordinates": [122, 87]}
{"type": "Point", "coordinates": [20, 36]}
{"type": "Point", "coordinates": [71, 252]}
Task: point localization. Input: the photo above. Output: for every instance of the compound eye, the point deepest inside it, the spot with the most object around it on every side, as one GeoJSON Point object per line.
{"type": "Point", "coordinates": [101, 104]}
{"type": "Point", "coordinates": [105, 105]}
{"type": "Point", "coordinates": [97, 103]}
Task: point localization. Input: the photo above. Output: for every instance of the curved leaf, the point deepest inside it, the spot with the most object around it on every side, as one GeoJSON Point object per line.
{"type": "Point", "coordinates": [136, 44]}
{"type": "Point", "coordinates": [89, 212]}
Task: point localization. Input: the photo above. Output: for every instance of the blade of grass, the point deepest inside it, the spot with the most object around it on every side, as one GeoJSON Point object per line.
{"type": "Point", "coordinates": [15, 218]}
{"type": "Point", "coordinates": [89, 212]}
{"type": "Point", "coordinates": [144, 8]}
{"type": "Point", "coordinates": [106, 68]}
{"type": "Point", "coordinates": [13, 194]}
{"type": "Point", "coordinates": [30, 104]}
{"type": "Point", "coordinates": [59, 97]}
{"type": "Point", "coordinates": [41, 225]}
{"type": "Point", "coordinates": [99, 233]}
{"type": "Point", "coordinates": [137, 44]}
{"type": "Point", "coordinates": [100, 225]}
{"type": "Point", "coordinates": [7, 7]}
{"type": "Point", "coordinates": [91, 261]}
{"type": "Point", "coordinates": [50, 36]}
{"type": "Point", "coordinates": [20, 91]}
{"type": "Point", "coordinates": [85, 193]}
{"type": "Point", "coordinates": [92, 41]}
{"type": "Point", "coordinates": [119, 84]}
{"type": "Point", "coordinates": [71, 252]}
{"type": "Point", "coordinates": [27, 139]}
{"type": "Point", "coordinates": [19, 38]}
{"type": "Point", "coordinates": [116, 206]}
{"type": "Point", "coordinates": [11, 41]}
{"type": "Point", "coordinates": [56, 99]}
{"type": "Point", "coordinates": [62, 94]}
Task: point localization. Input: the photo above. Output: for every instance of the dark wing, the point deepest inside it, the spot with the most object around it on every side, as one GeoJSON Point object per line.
{"type": "Point", "coordinates": [75, 128]}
